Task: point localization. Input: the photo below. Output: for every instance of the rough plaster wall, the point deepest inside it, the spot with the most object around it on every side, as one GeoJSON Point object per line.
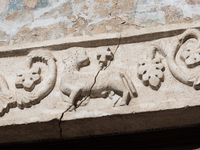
{"type": "Point", "coordinates": [24, 21]}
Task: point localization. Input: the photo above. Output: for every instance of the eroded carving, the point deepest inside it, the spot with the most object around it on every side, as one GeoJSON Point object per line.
{"type": "Point", "coordinates": [190, 55]}
{"type": "Point", "coordinates": [27, 79]}
{"type": "Point", "coordinates": [46, 85]}
{"type": "Point", "coordinates": [150, 71]}
{"type": "Point", "coordinates": [79, 85]}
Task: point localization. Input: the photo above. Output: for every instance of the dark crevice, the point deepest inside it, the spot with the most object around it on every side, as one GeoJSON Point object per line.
{"type": "Point", "coordinates": [60, 120]}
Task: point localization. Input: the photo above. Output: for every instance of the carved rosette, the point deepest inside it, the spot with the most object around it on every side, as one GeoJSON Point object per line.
{"type": "Point", "coordinates": [28, 78]}
{"type": "Point", "coordinates": [191, 55]}
{"type": "Point", "coordinates": [151, 72]}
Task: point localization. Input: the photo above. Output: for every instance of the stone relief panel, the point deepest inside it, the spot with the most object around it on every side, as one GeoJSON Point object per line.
{"type": "Point", "coordinates": [119, 77]}
{"type": "Point", "coordinates": [130, 75]}
{"type": "Point", "coordinates": [102, 83]}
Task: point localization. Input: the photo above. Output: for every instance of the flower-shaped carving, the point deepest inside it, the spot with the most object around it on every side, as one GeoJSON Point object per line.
{"type": "Point", "coordinates": [27, 79]}
{"type": "Point", "coordinates": [151, 73]}
{"type": "Point", "coordinates": [191, 55]}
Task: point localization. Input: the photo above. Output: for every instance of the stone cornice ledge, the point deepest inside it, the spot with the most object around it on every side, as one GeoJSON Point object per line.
{"type": "Point", "coordinates": [103, 84]}
{"type": "Point", "coordinates": [104, 39]}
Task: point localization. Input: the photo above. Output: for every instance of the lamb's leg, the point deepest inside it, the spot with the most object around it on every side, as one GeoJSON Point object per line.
{"type": "Point", "coordinates": [73, 97]}
{"type": "Point", "coordinates": [125, 98]}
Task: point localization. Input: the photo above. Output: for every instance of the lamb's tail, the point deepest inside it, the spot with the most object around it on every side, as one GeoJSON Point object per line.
{"type": "Point", "coordinates": [129, 85]}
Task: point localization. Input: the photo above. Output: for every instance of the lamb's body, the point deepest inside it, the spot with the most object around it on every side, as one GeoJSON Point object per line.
{"type": "Point", "coordinates": [76, 84]}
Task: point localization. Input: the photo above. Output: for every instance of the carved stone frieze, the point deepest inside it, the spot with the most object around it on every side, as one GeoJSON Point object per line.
{"type": "Point", "coordinates": [137, 80]}
{"type": "Point", "coordinates": [27, 79]}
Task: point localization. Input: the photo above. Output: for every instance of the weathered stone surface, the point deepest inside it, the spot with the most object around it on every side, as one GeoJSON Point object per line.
{"type": "Point", "coordinates": [92, 85]}
{"type": "Point", "coordinates": [25, 21]}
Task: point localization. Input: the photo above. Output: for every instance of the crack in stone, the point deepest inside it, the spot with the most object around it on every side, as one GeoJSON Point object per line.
{"type": "Point", "coordinates": [95, 79]}
{"type": "Point", "coordinates": [60, 120]}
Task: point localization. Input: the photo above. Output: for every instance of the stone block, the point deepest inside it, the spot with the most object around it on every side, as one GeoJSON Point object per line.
{"type": "Point", "coordinates": [126, 82]}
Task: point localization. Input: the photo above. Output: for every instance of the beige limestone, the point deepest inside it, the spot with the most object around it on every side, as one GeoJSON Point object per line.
{"type": "Point", "coordinates": [103, 84]}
